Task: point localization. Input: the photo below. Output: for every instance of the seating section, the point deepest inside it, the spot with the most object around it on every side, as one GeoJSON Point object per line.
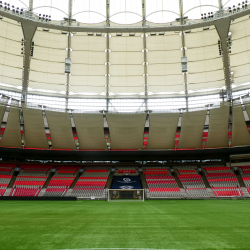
{"type": "Point", "coordinates": [66, 171]}
{"type": "Point", "coordinates": [160, 184]}
{"type": "Point", "coordinates": [5, 176]}
{"type": "Point", "coordinates": [59, 186]}
{"type": "Point", "coordinates": [91, 183]}
{"type": "Point", "coordinates": [30, 180]}
{"type": "Point", "coordinates": [246, 180]}
{"type": "Point", "coordinates": [245, 169]}
{"type": "Point", "coordinates": [223, 182]}
{"type": "Point", "coordinates": [192, 182]}
{"type": "Point", "coordinates": [126, 171]}
{"type": "Point", "coordinates": [62, 180]}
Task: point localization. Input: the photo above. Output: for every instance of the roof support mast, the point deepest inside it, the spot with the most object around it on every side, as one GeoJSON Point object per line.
{"type": "Point", "coordinates": [68, 53]}
{"type": "Point", "coordinates": [31, 5]}
{"type": "Point", "coordinates": [183, 50]}
{"type": "Point", "coordinates": [107, 56]}
{"type": "Point", "coordinates": [29, 30]}
{"type": "Point", "coordinates": [145, 53]}
{"type": "Point", "coordinates": [222, 26]}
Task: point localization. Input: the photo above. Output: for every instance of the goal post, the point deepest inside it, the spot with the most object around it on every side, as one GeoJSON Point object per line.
{"type": "Point", "coordinates": [126, 194]}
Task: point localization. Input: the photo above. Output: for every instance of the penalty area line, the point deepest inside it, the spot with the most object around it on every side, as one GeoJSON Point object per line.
{"type": "Point", "coordinates": [118, 249]}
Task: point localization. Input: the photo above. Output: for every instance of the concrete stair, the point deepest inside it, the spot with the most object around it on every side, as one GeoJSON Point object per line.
{"type": "Point", "coordinates": [211, 193]}
{"type": "Point", "coordinates": [7, 192]}
{"type": "Point", "coordinates": [42, 192]}
{"type": "Point", "coordinates": [69, 192]}
{"type": "Point", "coordinates": [245, 192]}
{"type": "Point", "coordinates": [184, 193]}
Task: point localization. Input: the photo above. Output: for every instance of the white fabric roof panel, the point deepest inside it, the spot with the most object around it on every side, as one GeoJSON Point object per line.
{"type": "Point", "coordinates": [240, 134]}
{"type": "Point", "coordinates": [126, 69]}
{"type": "Point", "coordinates": [40, 80]}
{"type": "Point", "coordinates": [164, 63]}
{"type": "Point", "coordinates": [162, 130]}
{"type": "Point", "coordinates": [192, 126]}
{"type": "Point", "coordinates": [240, 28]}
{"type": "Point", "coordinates": [88, 57]}
{"type": "Point", "coordinates": [83, 42]}
{"type": "Point", "coordinates": [87, 70]}
{"type": "Point", "coordinates": [240, 52]}
{"type": "Point", "coordinates": [129, 84]}
{"type": "Point", "coordinates": [168, 42]}
{"type": "Point", "coordinates": [218, 127]}
{"type": "Point", "coordinates": [127, 58]}
{"type": "Point", "coordinates": [90, 131]}
{"type": "Point", "coordinates": [164, 57]}
{"type": "Point", "coordinates": [48, 63]}
{"type": "Point", "coordinates": [205, 66]}
{"type": "Point", "coordinates": [201, 38]}
{"type": "Point", "coordinates": [60, 130]}
{"type": "Point", "coordinates": [12, 133]}
{"type": "Point", "coordinates": [11, 60]}
{"type": "Point", "coordinates": [53, 39]}
{"type": "Point", "coordinates": [166, 83]}
{"type": "Point", "coordinates": [126, 43]}
{"type": "Point", "coordinates": [34, 131]}
{"type": "Point", "coordinates": [88, 67]}
{"type": "Point", "coordinates": [126, 130]}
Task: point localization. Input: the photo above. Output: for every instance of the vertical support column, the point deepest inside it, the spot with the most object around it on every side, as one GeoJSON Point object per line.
{"type": "Point", "coordinates": [68, 53]}
{"type": "Point", "coordinates": [222, 26]}
{"type": "Point", "coordinates": [107, 55]}
{"type": "Point", "coordinates": [29, 30]}
{"type": "Point", "coordinates": [31, 5]}
{"type": "Point", "coordinates": [220, 4]}
{"type": "Point", "coordinates": [145, 54]}
{"type": "Point", "coordinates": [183, 50]}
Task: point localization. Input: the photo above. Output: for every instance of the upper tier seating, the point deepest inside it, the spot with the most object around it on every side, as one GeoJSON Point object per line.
{"type": "Point", "coordinates": [245, 169]}
{"type": "Point", "coordinates": [160, 184]}
{"type": "Point", "coordinates": [6, 168]}
{"type": "Point", "coordinates": [66, 171]}
{"type": "Point", "coordinates": [192, 182]}
{"type": "Point", "coordinates": [91, 183]}
{"type": "Point", "coordinates": [30, 180]}
{"type": "Point", "coordinates": [223, 182]}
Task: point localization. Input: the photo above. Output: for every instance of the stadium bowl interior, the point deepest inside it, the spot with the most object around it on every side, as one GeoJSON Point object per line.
{"type": "Point", "coordinates": [124, 100]}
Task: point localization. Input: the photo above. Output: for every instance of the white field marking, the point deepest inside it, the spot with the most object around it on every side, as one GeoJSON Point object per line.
{"type": "Point", "coordinates": [118, 249]}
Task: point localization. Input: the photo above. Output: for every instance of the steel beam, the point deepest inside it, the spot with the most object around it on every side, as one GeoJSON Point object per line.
{"type": "Point", "coordinates": [145, 53]}
{"type": "Point", "coordinates": [176, 27]}
{"type": "Point", "coordinates": [107, 55]}
{"type": "Point", "coordinates": [183, 50]}
{"type": "Point", "coordinates": [29, 30]}
{"type": "Point", "coordinates": [222, 26]}
{"type": "Point", "coordinates": [68, 53]}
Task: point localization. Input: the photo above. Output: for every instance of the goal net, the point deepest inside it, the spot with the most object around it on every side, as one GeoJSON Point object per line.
{"type": "Point", "coordinates": [126, 194]}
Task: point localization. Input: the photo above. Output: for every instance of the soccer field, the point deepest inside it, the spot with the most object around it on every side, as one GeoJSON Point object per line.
{"type": "Point", "coordinates": [167, 224]}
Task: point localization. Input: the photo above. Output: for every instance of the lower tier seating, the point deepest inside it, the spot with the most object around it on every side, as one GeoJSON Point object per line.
{"type": "Point", "coordinates": [25, 191]}
{"type": "Point", "coordinates": [4, 182]}
{"type": "Point", "coordinates": [193, 184]}
{"type": "Point", "coordinates": [58, 186]}
{"type": "Point", "coordinates": [227, 192]}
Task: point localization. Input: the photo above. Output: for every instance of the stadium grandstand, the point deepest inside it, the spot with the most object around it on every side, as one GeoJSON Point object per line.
{"type": "Point", "coordinates": [125, 124]}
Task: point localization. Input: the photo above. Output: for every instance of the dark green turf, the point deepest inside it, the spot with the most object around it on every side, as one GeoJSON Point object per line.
{"type": "Point", "coordinates": [197, 224]}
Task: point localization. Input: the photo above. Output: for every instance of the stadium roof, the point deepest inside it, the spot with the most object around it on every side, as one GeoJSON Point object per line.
{"type": "Point", "coordinates": [124, 48]}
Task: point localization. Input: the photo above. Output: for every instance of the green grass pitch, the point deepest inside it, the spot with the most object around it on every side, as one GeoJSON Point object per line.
{"type": "Point", "coordinates": [166, 224]}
